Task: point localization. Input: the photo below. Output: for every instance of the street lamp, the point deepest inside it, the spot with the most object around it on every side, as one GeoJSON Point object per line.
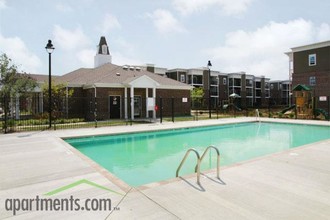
{"type": "Point", "coordinates": [50, 48]}
{"type": "Point", "coordinates": [209, 64]}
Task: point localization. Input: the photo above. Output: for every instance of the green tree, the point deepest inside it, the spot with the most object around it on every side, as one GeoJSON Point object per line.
{"type": "Point", "coordinates": [197, 95]}
{"type": "Point", "coordinates": [60, 96]}
{"type": "Point", "coordinates": [13, 83]}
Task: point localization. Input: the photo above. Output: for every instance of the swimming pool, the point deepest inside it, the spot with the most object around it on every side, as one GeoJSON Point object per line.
{"type": "Point", "coordinates": [141, 158]}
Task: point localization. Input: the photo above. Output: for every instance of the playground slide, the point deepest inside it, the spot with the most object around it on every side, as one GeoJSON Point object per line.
{"type": "Point", "coordinates": [237, 108]}
{"type": "Point", "coordinates": [227, 105]}
{"type": "Point", "coordinates": [288, 108]}
{"type": "Point", "coordinates": [323, 112]}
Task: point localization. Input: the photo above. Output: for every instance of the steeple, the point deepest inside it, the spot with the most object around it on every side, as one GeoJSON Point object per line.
{"type": "Point", "coordinates": [102, 54]}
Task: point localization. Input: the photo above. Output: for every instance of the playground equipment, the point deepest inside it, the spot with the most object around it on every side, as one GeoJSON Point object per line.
{"type": "Point", "coordinates": [231, 102]}
{"type": "Point", "coordinates": [288, 109]}
{"type": "Point", "coordinates": [322, 112]}
{"type": "Point", "coordinates": [304, 101]}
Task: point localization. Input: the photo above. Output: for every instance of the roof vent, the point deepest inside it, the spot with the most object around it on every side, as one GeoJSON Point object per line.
{"type": "Point", "coordinates": [138, 68]}
{"type": "Point", "coordinates": [125, 67]}
{"type": "Point", "coordinates": [117, 74]}
{"type": "Point", "coordinates": [131, 68]}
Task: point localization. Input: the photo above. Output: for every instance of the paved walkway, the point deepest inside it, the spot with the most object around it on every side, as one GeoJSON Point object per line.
{"type": "Point", "coordinates": [288, 185]}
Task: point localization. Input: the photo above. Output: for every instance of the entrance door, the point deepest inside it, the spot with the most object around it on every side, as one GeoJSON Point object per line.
{"type": "Point", "coordinates": [114, 106]}
{"type": "Point", "coordinates": [137, 106]}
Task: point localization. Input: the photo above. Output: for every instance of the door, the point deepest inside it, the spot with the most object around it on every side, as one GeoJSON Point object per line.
{"type": "Point", "coordinates": [114, 107]}
{"type": "Point", "coordinates": [137, 106]}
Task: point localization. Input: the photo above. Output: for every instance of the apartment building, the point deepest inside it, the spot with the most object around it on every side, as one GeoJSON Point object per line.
{"type": "Point", "coordinates": [281, 93]}
{"type": "Point", "coordinates": [252, 91]}
{"type": "Point", "coordinates": [310, 65]}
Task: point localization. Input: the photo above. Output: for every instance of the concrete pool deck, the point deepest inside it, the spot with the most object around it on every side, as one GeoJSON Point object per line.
{"type": "Point", "coordinates": [293, 184]}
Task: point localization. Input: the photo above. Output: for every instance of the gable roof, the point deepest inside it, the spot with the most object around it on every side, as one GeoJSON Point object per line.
{"type": "Point", "coordinates": [109, 75]}
{"type": "Point", "coordinates": [41, 78]}
{"type": "Point", "coordinates": [301, 87]}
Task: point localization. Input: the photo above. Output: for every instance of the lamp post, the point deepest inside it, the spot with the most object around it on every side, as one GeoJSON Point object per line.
{"type": "Point", "coordinates": [50, 48]}
{"type": "Point", "coordinates": [209, 86]}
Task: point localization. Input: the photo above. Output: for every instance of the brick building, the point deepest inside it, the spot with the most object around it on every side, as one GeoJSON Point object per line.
{"type": "Point", "coordinates": [310, 65]}
{"type": "Point", "coordinates": [121, 92]}
{"type": "Point", "coordinates": [253, 91]}
{"type": "Point", "coordinates": [281, 93]}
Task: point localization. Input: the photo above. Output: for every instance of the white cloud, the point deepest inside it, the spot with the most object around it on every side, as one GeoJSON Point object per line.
{"type": "Point", "coordinates": [16, 49]}
{"type": "Point", "coordinates": [3, 4]}
{"type": "Point", "coordinates": [165, 22]}
{"type": "Point", "coordinates": [109, 23]}
{"type": "Point", "coordinates": [261, 52]}
{"type": "Point", "coordinates": [63, 7]}
{"type": "Point", "coordinates": [70, 39]}
{"type": "Point", "coordinates": [121, 59]}
{"type": "Point", "coordinates": [323, 32]}
{"type": "Point", "coordinates": [86, 57]}
{"type": "Point", "coordinates": [76, 47]}
{"type": "Point", "coordinates": [229, 7]}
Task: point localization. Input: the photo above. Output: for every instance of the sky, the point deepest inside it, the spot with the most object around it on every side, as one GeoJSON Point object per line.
{"type": "Point", "coordinates": [236, 35]}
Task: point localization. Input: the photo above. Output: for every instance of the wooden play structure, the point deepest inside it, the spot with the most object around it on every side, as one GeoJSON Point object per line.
{"type": "Point", "coordinates": [304, 101]}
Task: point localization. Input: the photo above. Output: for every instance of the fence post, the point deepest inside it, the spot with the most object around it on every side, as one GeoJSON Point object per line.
{"type": "Point", "coordinates": [172, 108]}
{"type": "Point", "coordinates": [6, 114]}
{"type": "Point", "coordinates": [217, 109]}
{"type": "Point", "coordinates": [161, 109]}
{"type": "Point", "coordinates": [328, 108]}
{"type": "Point", "coordinates": [95, 112]}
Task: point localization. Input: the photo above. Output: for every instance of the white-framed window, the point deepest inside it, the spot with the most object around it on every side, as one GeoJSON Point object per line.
{"type": "Point", "coordinates": [224, 81]}
{"type": "Point", "coordinates": [312, 59]}
{"type": "Point", "coordinates": [182, 78]}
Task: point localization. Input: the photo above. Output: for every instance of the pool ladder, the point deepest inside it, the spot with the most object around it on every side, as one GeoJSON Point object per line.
{"type": "Point", "coordinates": [257, 115]}
{"type": "Point", "coordinates": [199, 161]}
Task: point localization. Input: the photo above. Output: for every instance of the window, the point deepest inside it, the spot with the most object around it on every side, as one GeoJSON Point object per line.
{"type": "Point", "coordinates": [214, 80]}
{"type": "Point", "coordinates": [224, 81]}
{"type": "Point", "coordinates": [189, 79]}
{"type": "Point", "coordinates": [312, 59]}
{"type": "Point", "coordinates": [231, 82]}
{"type": "Point", "coordinates": [237, 82]}
{"type": "Point", "coordinates": [249, 82]}
{"type": "Point", "coordinates": [182, 78]}
{"type": "Point", "coordinates": [104, 49]}
{"type": "Point", "coordinates": [266, 85]}
{"type": "Point", "coordinates": [312, 81]}
{"type": "Point", "coordinates": [249, 92]}
{"type": "Point", "coordinates": [271, 86]}
{"type": "Point", "coordinates": [197, 79]}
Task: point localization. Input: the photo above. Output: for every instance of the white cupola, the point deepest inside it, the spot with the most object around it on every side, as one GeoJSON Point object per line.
{"type": "Point", "coordinates": [103, 55]}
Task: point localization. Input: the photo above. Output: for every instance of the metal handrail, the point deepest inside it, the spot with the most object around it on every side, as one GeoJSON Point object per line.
{"type": "Point", "coordinates": [257, 115]}
{"type": "Point", "coordinates": [197, 169]}
{"type": "Point", "coordinates": [218, 159]}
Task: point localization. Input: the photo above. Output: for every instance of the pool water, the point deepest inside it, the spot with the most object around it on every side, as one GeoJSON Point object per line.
{"type": "Point", "coordinates": [142, 158]}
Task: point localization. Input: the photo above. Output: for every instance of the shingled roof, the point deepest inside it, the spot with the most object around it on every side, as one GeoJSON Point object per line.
{"type": "Point", "coordinates": [113, 75]}
{"type": "Point", "coordinates": [42, 78]}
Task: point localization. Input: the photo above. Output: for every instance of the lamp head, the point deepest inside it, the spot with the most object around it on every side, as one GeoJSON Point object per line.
{"type": "Point", "coordinates": [209, 64]}
{"type": "Point", "coordinates": [49, 47]}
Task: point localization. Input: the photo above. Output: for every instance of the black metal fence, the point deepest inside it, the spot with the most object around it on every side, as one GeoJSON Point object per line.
{"type": "Point", "coordinates": [29, 113]}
